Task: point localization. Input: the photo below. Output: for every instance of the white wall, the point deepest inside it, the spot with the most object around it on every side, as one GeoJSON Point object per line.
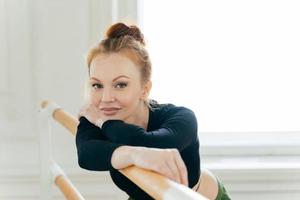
{"type": "Point", "coordinates": [42, 50]}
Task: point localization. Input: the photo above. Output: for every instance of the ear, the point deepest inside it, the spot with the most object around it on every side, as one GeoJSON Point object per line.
{"type": "Point", "coordinates": [146, 90]}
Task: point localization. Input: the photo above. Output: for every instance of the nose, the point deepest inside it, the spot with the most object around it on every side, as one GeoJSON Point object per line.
{"type": "Point", "coordinates": [107, 95]}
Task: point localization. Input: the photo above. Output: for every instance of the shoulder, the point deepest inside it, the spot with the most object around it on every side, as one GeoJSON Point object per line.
{"type": "Point", "coordinates": [179, 119]}
{"type": "Point", "coordinates": [169, 111]}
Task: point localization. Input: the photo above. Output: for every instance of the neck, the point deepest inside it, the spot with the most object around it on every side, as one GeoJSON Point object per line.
{"type": "Point", "coordinates": [142, 117]}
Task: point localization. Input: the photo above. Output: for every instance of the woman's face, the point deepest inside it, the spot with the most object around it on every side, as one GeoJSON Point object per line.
{"type": "Point", "coordinates": [115, 86]}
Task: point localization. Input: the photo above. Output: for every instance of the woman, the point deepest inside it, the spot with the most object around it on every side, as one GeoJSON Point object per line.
{"type": "Point", "coordinates": [119, 126]}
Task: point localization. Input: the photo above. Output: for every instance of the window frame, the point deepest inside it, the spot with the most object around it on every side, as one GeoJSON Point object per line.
{"type": "Point", "coordinates": [271, 143]}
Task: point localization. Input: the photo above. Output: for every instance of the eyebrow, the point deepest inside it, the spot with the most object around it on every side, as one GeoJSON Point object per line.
{"type": "Point", "coordinates": [122, 76]}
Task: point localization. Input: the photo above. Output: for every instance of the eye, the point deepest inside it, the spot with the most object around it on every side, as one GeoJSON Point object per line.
{"type": "Point", "coordinates": [121, 85]}
{"type": "Point", "coordinates": [97, 86]}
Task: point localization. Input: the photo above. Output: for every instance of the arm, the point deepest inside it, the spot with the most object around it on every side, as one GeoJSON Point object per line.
{"type": "Point", "coordinates": [93, 150]}
{"type": "Point", "coordinates": [167, 162]}
{"type": "Point", "coordinates": [96, 153]}
{"type": "Point", "coordinates": [177, 131]}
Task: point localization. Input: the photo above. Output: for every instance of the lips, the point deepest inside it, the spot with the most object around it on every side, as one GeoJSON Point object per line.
{"type": "Point", "coordinates": [110, 111]}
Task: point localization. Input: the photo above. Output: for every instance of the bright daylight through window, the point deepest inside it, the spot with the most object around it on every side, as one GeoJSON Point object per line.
{"type": "Point", "coordinates": [235, 63]}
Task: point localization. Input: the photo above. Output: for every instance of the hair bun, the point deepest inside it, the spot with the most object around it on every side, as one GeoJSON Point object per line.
{"type": "Point", "coordinates": [120, 30]}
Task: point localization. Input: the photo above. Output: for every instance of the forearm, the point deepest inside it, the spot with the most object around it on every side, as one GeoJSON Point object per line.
{"type": "Point", "coordinates": [93, 149]}
{"type": "Point", "coordinates": [122, 157]}
{"type": "Point", "coordinates": [129, 134]}
{"type": "Point", "coordinates": [96, 154]}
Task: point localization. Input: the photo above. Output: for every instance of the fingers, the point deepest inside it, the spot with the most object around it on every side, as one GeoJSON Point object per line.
{"type": "Point", "coordinates": [83, 110]}
{"type": "Point", "coordinates": [173, 170]}
{"type": "Point", "coordinates": [91, 112]}
{"type": "Point", "coordinates": [174, 167]}
{"type": "Point", "coordinates": [182, 171]}
{"type": "Point", "coordinates": [166, 162]}
{"type": "Point", "coordinates": [164, 170]}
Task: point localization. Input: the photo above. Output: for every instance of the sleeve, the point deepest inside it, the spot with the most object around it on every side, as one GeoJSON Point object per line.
{"type": "Point", "coordinates": [178, 130]}
{"type": "Point", "coordinates": [93, 149]}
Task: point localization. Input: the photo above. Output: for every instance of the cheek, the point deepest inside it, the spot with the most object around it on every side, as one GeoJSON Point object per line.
{"type": "Point", "coordinates": [125, 101]}
{"type": "Point", "coordinates": [129, 100]}
{"type": "Point", "coordinates": [94, 97]}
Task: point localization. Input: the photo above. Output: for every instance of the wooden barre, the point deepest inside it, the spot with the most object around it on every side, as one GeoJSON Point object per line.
{"type": "Point", "coordinates": [64, 118]}
{"type": "Point", "coordinates": [156, 185]}
{"type": "Point", "coordinates": [64, 184]}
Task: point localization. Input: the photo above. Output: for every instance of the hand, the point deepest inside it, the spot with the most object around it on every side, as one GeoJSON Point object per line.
{"type": "Point", "coordinates": [166, 162]}
{"type": "Point", "coordinates": [92, 113]}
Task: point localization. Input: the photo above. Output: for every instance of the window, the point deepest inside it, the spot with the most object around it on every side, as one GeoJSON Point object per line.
{"type": "Point", "coordinates": [235, 63]}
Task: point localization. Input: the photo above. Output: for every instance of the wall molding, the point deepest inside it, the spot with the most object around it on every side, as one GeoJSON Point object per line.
{"type": "Point", "coordinates": [251, 177]}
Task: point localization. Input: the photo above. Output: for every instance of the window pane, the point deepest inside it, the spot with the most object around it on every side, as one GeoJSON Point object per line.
{"type": "Point", "coordinates": [235, 63]}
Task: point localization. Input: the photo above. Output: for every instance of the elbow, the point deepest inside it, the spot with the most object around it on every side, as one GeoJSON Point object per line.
{"type": "Point", "coordinates": [83, 156]}
{"type": "Point", "coordinates": [83, 161]}
{"type": "Point", "coordinates": [88, 161]}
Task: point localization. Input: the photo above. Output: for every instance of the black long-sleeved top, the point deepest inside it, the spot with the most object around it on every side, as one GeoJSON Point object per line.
{"type": "Point", "coordinates": [169, 126]}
